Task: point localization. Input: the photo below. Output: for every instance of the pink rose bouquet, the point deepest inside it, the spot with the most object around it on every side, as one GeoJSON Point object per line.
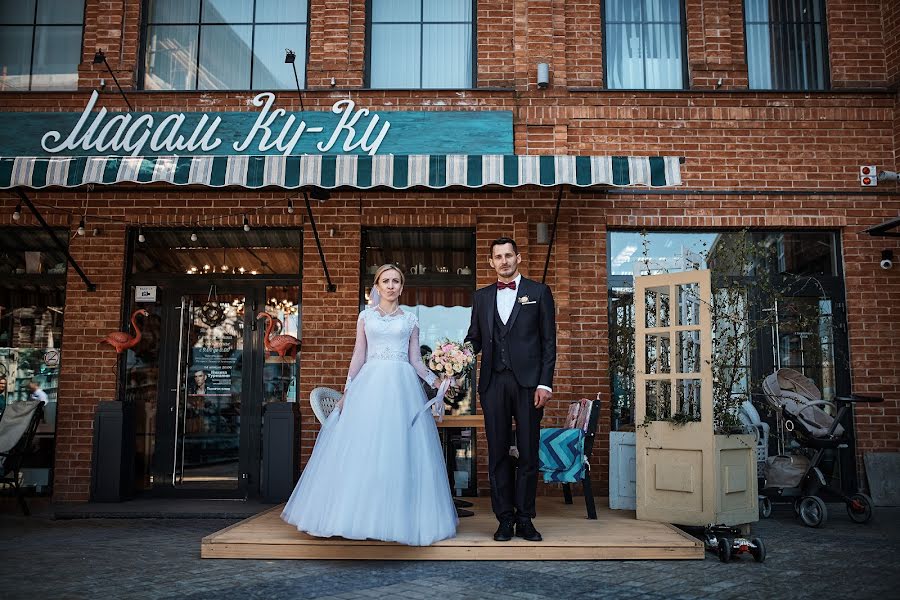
{"type": "Point", "coordinates": [451, 359]}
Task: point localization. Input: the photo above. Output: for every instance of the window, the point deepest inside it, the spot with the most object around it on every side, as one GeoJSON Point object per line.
{"type": "Point", "coordinates": [223, 44]}
{"type": "Point", "coordinates": [644, 44]}
{"type": "Point", "coordinates": [40, 44]}
{"type": "Point", "coordinates": [32, 303]}
{"type": "Point", "coordinates": [420, 43]}
{"type": "Point", "coordinates": [440, 280]}
{"type": "Point", "coordinates": [786, 48]}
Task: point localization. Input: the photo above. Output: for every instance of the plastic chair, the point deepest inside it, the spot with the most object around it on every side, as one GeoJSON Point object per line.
{"type": "Point", "coordinates": [18, 425]}
{"type": "Point", "coordinates": [323, 400]}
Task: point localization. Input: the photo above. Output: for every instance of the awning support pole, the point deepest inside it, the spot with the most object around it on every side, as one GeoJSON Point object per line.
{"type": "Point", "coordinates": [91, 287]}
{"type": "Point", "coordinates": [312, 221]}
{"type": "Point", "coordinates": [552, 234]}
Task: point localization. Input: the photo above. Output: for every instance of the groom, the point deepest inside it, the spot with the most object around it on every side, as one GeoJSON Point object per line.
{"type": "Point", "coordinates": [514, 326]}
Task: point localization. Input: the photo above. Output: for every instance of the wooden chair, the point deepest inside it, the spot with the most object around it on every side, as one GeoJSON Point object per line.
{"type": "Point", "coordinates": [18, 425]}
{"type": "Point", "coordinates": [323, 400]}
{"type": "Point", "coordinates": [593, 419]}
{"type": "Point", "coordinates": [584, 415]}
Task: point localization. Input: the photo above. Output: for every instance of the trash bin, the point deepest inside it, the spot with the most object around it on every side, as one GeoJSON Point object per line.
{"type": "Point", "coordinates": [280, 451]}
{"type": "Point", "coordinates": [112, 463]}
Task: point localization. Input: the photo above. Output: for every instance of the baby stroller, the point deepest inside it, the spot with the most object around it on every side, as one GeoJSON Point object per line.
{"type": "Point", "coordinates": [800, 475]}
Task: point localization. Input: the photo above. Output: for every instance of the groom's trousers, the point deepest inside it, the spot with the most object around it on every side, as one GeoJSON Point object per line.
{"type": "Point", "coordinates": [513, 489]}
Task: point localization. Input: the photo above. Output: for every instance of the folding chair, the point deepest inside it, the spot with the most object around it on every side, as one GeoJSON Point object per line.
{"type": "Point", "coordinates": [18, 425]}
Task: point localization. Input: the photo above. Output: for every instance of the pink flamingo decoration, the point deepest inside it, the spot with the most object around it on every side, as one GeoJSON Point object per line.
{"type": "Point", "coordinates": [280, 344]}
{"type": "Point", "coordinates": [277, 343]}
{"type": "Point", "coordinates": [121, 340]}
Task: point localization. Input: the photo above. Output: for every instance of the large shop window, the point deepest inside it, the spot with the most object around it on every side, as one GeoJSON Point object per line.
{"type": "Point", "coordinates": [786, 47]}
{"type": "Point", "coordinates": [421, 43]}
{"type": "Point", "coordinates": [778, 302]}
{"type": "Point", "coordinates": [224, 44]}
{"type": "Point", "coordinates": [644, 42]}
{"type": "Point", "coordinates": [440, 280]}
{"type": "Point", "coordinates": [40, 44]}
{"type": "Point", "coordinates": [32, 300]}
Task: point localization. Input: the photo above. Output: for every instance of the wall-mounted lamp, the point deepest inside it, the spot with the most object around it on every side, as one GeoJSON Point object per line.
{"type": "Point", "coordinates": [887, 259]}
{"type": "Point", "coordinates": [289, 57]}
{"type": "Point", "coordinates": [543, 75]}
{"type": "Point", "coordinates": [543, 233]}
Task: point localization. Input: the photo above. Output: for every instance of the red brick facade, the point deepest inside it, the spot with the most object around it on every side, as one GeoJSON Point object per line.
{"type": "Point", "coordinates": [794, 155]}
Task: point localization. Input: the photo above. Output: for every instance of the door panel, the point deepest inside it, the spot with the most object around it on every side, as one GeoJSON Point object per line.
{"type": "Point", "coordinates": [202, 436]}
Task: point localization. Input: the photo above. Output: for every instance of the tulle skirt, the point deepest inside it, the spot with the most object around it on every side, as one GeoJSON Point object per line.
{"type": "Point", "coordinates": [371, 475]}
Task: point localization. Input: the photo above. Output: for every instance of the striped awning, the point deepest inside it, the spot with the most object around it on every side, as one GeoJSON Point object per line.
{"type": "Point", "coordinates": [350, 171]}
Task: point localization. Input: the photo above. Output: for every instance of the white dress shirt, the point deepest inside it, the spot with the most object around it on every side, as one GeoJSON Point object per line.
{"type": "Point", "coordinates": [506, 300]}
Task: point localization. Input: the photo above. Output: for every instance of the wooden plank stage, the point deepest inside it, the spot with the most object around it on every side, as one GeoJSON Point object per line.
{"type": "Point", "coordinates": [568, 535]}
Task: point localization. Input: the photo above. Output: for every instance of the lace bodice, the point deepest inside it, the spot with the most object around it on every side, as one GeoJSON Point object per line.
{"type": "Point", "coordinates": [393, 337]}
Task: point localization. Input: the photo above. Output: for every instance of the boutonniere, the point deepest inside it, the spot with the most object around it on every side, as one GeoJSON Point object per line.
{"type": "Point", "coordinates": [522, 299]}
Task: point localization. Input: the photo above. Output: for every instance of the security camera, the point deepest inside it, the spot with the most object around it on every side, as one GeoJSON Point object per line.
{"type": "Point", "coordinates": [887, 259]}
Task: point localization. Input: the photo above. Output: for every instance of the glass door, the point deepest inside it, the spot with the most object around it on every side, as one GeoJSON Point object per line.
{"type": "Point", "coordinates": [202, 440]}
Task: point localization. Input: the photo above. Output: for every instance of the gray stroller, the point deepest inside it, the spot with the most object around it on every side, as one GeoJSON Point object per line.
{"type": "Point", "coordinates": [805, 433]}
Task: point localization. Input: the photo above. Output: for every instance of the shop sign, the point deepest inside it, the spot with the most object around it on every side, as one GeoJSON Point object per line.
{"type": "Point", "coordinates": [344, 129]}
{"type": "Point", "coordinates": [51, 358]}
{"type": "Point", "coordinates": [145, 293]}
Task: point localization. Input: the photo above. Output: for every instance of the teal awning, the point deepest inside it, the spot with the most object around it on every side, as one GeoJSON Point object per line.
{"type": "Point", "coordinates": [344, 171]}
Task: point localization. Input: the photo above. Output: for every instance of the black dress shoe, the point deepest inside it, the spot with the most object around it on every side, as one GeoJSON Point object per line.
{"type": "Point", "coordinates": [526, 530]}
{"type": "Point", "coordinates": [504, 532]}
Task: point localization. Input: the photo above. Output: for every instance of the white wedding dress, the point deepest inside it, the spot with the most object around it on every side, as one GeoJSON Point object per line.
{"type": "Point", "coordinates": [372, 475]}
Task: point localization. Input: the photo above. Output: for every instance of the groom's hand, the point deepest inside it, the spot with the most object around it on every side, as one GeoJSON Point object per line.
{"type": "Point", "coordinates": [541, 397]}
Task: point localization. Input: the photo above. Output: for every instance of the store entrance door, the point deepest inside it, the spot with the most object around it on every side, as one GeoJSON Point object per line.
{"type": "Point", "coordinates": [207, 415]}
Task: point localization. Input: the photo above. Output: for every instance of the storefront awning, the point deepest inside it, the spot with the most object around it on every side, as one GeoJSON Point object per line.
{"type": "Point", "coordinates": [350, 171]}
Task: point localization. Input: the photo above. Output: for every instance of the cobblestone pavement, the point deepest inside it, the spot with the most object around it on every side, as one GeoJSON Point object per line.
{"type": "Point", "coordinates": [160, 558]}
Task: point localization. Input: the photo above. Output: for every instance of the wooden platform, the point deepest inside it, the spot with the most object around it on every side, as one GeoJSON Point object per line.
{"type": "Point", "coordinates": [568, 535]}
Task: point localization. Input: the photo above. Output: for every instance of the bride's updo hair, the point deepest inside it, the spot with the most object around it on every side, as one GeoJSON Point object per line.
{"type": "Point", "coordinates": [389, 267]}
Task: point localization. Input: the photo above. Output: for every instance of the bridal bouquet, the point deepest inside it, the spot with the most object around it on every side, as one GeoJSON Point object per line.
{"type": "Point", "coordinates": [451, 359]}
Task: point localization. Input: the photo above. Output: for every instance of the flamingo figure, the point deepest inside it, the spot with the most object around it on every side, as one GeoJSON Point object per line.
{"type": "Point", "coordinates": [276, 343]}
{"type": "Point", "coordinates": [121, 340]}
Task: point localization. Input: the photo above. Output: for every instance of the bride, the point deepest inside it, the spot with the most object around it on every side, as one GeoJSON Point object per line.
{"type": "Point", "coordinates": [372, 475]}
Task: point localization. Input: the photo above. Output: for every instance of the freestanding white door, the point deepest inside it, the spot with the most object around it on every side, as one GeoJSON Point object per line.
{"type": "Point", "coordinates": [685, 473]}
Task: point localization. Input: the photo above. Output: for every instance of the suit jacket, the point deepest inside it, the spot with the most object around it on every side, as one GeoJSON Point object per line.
{"type": "Point", "coordinates": [531, 333]}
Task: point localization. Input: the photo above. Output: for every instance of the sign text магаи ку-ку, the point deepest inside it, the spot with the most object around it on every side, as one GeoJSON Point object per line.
{"type": "Point", "coordinates": [345, 129]}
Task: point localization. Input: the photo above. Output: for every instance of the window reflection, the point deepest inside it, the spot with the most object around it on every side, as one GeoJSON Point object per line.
{"type": "Point", "coordinates": [224, 44]}
{"type": "Point", "coordinates": [774, 284]}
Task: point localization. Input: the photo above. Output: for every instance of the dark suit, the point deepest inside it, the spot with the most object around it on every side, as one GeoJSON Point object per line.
{"type": "Point", "coordinates": [516, 357]}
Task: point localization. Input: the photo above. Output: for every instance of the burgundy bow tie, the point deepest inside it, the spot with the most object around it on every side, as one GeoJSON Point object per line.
{"type": "Point", "coordinates": [502, 286]}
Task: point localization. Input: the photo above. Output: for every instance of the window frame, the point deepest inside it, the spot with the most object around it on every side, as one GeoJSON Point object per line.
{"type": "Point", "coordinates": [367, 74]}
{"type": "Point", "coordinates": [34, 25]}
{"type": "Point", "coordinates": [142, 55]}
{"type": "Point", "coordinates": [826, 56]}
{"type": "Point", "coordinates": [685, 71]}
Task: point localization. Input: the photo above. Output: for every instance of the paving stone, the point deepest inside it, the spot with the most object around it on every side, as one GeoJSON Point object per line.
{"type": "Point", "coordinates": [160, 558]}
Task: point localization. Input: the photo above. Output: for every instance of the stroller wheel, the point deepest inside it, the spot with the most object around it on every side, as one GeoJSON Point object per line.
{"type": "Point", "coordinates": [724, 550]}
{"type": "Point", "coordinates": [759, 551]}
{"type": "Point", "coordinates": [813, 511]}
{"type": "Point", "coordinates": [860, 508]}
{"type": "Point", "coordinates": [765, 507]}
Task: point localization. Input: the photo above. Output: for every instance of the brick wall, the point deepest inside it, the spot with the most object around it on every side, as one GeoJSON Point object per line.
{"type": "Point", "coordinates": [767, 144]}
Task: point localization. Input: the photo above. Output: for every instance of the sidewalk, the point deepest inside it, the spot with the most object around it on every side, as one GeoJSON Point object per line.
{"type": "Point", "coordinates": [159, 558]}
